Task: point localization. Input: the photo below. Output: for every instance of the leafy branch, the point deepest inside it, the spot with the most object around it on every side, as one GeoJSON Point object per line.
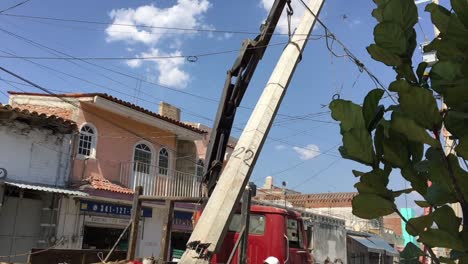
{"type": "Point", "coordinates": [406, 136]}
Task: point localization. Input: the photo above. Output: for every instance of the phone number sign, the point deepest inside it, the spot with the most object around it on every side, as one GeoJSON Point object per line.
{"type": "Point", "coordinates": [115, 209]}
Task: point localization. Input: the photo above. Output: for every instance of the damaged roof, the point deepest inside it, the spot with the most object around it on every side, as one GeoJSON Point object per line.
{"type": "Point", "coordinates": [118, 101]}
{"type": "Point", "coordinates": [33, 118]}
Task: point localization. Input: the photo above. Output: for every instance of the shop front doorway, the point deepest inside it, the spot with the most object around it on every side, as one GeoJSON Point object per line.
{"type": "Point", "coordinates": [104, 238]}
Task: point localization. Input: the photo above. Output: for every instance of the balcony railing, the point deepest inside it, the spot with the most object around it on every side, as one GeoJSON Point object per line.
{"type": "Point", "coordinates": [157, 181]}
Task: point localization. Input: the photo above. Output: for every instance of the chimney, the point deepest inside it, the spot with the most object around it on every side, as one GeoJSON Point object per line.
{"type": "Point", "coordinates": [170, 111]}
{"type": "Point", "coordinates": [268, 183]}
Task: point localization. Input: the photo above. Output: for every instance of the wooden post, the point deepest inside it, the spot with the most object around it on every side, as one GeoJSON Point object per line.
{"type": "Point", "coordinates": [245, 216]}
{"type": "Point", "coordinates": [136, 213]}
{"type": "Point", "coordinates": [166, 231]}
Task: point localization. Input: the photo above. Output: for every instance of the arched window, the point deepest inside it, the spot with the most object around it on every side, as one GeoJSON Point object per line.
{"type": "Point", "coordinates": [87, 142]}
{"type": "Point", "coordinates": [142, 158]}
{"type": "Point", "coordinates": [200, 167]}
{"type": "Point", "coordinates": [163, 162]}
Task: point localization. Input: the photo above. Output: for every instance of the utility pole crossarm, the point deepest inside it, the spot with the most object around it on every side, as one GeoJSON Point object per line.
{"type": "Point", "coordinates": [212, 226]}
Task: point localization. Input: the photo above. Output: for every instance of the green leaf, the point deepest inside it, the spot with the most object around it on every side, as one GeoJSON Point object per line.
{"type": "Point", "coordinates": [395, 149]}
{"type": "Point", "coordinates": [418, 103]}
{"type": "Point", "coordinates": [348, 113]}
{"type": "Point", "coordinates": [374, 182]}
{"type": "Point", "coordinates": [390, 37]}
{"type": "Point", "coordinates": [461, 175]}
{"type": "Point", "coordinates": [380, 54]}
{"type": "Point", "coordinates": [411, 252]}
{"type": "Point", "coordinates": [440, 238]}
{"type": "Point", "coordinates": [462, 147]}
{"type": "Point", "coordinates": [437, 195]}
{"type": "Point", "coordinates": [457, 123]}
{"type": "Point", "coordinates": [358, 146]}
{"type": "Point", "coordinates": [378, 141]}
{"type": "Point", "coordinates": [370, 104]}
{"type": "Point", "coordinates": [422, 204]}
{"type": "Point", "coordinates": [358, 173]}
{"type": "Point", "coordinates": [400, 192]}
{"type": "Point", "coordinates": [421, 70]}
{"type": "Point", "coordinates": [440, 16]}
{"type": "Point", "coordinates": [446, 220]}
{"type": "Point", "coordinates": [416, 150]}
{"type": "Point", "coordinates": [371, 206]}
{"type": "Point", "coordinates": [405, 70]}
{"type": "Point", "coordinates": [461, 9]}
{"type": "Point", "coordinates": [402, 12]}
{"type": "Point", "coordinates": [411, 130]}
{"type": "Point", "coordinates": [418, 180]}
{"type": "Point", "coordinates": [417, 225]}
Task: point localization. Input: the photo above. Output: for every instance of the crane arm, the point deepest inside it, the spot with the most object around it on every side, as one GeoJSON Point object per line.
{"type": "Point", "coordinates": [237, 81]}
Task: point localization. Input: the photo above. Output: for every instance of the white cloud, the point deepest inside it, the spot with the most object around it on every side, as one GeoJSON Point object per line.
{"type": "Point", "coordinates": [184, 14]}
{"type": "Point", "coordinates": [307, 153]}
{"type": "Point", "coordinates": [134, 63]}
{"type": "Point", "coordinates": [283, 22]}
{"type": "Point", "coordinates": [150, 28]}
{"type": "Point", "coordinates": [280, 147]}
{"type": "Point", "coordinates": [170, 71]}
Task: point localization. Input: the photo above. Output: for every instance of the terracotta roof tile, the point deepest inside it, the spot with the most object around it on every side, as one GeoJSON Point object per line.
{"type": "Point", "coordinates": [101, 183]}
{"type": "Point", "coordinates": [315, 200]}
{"type": "Point", "coordinates": [119, 101]}
{"type": "Point", "coordinates": [49, 121]}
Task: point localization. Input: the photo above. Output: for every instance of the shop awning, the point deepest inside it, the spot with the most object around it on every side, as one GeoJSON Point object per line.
{"type": "Point", "coordinates": [45, 188]}
{"type": "Point", "coordinates": [376, 245]}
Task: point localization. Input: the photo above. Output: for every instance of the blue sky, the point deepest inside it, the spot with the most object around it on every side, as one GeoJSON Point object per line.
{"type": "Point", "coordinates": [290, 153]}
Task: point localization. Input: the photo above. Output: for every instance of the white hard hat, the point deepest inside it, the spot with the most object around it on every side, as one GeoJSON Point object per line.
{"type": "Point", "coordinates": [271, 260]}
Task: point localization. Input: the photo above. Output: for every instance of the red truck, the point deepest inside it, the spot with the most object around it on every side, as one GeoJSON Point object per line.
{"type": "Point", "coordinates": [273, 232]}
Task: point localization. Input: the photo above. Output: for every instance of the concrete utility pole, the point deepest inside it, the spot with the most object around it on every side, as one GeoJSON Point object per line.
{"type": "Point", "coordinates": [210, 230]}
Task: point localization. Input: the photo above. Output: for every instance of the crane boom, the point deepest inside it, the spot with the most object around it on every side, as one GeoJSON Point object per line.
{"type": "Point", "coordinates": [244, 66]}
{"type": "Point", "coordinates": [212, 226]}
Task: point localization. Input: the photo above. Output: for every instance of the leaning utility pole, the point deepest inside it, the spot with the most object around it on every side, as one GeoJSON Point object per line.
{"type": "Point", "coordinates": [210, 230]}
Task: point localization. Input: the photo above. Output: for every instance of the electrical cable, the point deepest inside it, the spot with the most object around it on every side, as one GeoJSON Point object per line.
{"type": "Point", "coordinates": [188, 57]}
{"type": "Point", "coordinates": [348, 53]}
{"type": "Point", "coordinates": [242, 32]}
{"type": "Point", "coordinates": [14, 6]}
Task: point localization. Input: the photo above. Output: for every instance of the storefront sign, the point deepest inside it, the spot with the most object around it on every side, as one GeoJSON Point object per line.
{"type": "Point", "coordinates": [182, 220]}
{"type": "Point", "coordinates": [115, 209]}
{"type": "Point", "coordinates": [106, 220]}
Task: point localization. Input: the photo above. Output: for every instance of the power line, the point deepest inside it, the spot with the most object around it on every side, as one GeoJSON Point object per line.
{"type": "Point", "coordinates": [14, 6]}
{"type": "Point", "coordinates": [348, 53]}
{"type": "Point", "coordinates": [52, 50]}
{"type": "Point", "coordinates": [242, 32]}
{"type": "Point", "coordinates": [191, 57]}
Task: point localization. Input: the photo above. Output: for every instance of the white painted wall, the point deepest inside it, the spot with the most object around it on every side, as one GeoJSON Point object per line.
{"type": "Point", "coordinates": [34, 155]}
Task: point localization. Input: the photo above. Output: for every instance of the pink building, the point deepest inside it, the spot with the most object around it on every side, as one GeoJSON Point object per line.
{"type": "Point", "coordinates": [120, 146]}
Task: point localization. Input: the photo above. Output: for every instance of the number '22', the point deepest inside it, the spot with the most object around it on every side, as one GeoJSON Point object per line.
{"type": "Point", "coordinates": [248, 154]}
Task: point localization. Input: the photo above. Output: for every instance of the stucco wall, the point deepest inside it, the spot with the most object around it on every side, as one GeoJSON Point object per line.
{"type": "Point", "coordinates": [34, 155]}
{"type": "Point", "coordinates": [116, 142]}
{"type": "Point", "coordinates": [328, 240]}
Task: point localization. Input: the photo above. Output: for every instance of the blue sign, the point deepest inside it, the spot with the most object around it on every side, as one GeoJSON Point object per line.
{"type": "Point", "coordinates": [115, 209]}
{"type": "Point", "coordinates": [182, 220]}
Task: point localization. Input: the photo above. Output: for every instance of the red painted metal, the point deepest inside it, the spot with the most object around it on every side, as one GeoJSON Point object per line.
{"type": "Point", "coordinates": [272, 242]}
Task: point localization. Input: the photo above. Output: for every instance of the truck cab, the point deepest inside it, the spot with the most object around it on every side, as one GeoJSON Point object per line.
{"type": "Point", "coordinates": [273, 232]}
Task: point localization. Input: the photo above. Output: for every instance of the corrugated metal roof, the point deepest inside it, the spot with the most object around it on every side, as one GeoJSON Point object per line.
{"type": "Point", "coordinates": [375, 244]}
{"type": "Point", "coordinates": [46, 188]}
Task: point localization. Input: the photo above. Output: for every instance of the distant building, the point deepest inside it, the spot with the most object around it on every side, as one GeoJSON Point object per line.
{"type": "Point", "coordinates": [408, 213]}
